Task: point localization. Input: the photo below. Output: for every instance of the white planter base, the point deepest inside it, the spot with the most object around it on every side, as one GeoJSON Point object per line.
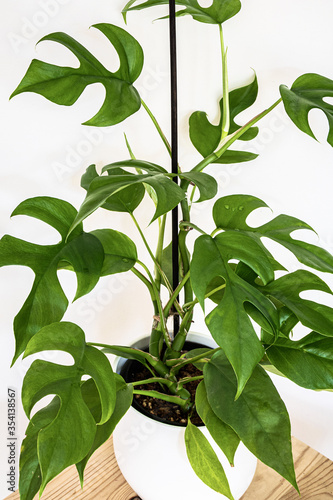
{"type": "Point", "coordinates": [152, 455]}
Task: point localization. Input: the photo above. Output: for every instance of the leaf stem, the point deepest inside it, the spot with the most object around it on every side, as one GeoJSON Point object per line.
{"type": "Point", "coordinates": [158, 128]}
{"type": "Point", "coordinates": [183, 403]}
{"type": "Point", "coordinates": [226, 110]}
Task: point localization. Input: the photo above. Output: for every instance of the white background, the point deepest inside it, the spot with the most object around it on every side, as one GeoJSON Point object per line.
{"type": "Point", "coordinates": [45, 150]}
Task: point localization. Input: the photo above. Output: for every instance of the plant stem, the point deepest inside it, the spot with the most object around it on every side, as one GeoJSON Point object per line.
{"type": "Point", "coordinates": [159, 250]}
{"type": "Point", "coordinates": [149, 286]}
{"type": "Point", "coordinates": [159, 305]}
{"type": "Point", "coordinates": [158, 128]}
{"type": "Point", "coordinates": [175, 294]}
{"type": "Point", "coordinates": [226, 110]}
{"type": "Point", "coordinates": [183, 403]}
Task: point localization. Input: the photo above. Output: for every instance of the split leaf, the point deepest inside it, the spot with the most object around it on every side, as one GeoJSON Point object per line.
{"type": "Point", "coordinates": [229, 322]}
{"type": "Point", "coordinates": [219, 12]}
{"type": "Point", "coordinates": [124, 396]}
{"type": "Point", "coordinates": [83, 253]}
{"type": "Point", "coordinates": [64, 85]}
{"type": "Point", "coordinates": [287, 289]}
{"type": "Point", "coordinates": [231, 212]}
{"type": "Point", "coordinates": [309, 92]}
{"type": "Point", "coordinates": [206, 137]}
{"type": "Point", "coordinates": [307, 362]}
{"type": "Point", "coordinates": [72, 431]}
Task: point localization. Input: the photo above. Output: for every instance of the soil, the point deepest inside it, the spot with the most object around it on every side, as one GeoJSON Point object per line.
{"type": "Point", "coordinates": [163, 410]}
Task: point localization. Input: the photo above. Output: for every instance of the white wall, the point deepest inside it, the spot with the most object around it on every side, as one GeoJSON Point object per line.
{"type": "Point", "coordinates": [44, 151]}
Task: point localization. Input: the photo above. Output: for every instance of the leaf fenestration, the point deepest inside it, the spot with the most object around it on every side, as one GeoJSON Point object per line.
{"type": "Point", "coordinates": [306, 93]}
{"type": "Point", "coordinates": [69, 437]}
{"type": "Point", "coordinates": [64, 85]}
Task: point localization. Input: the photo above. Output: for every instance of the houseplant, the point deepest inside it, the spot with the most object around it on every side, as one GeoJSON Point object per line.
{"type": "Point", "coordinates": [246, 290]}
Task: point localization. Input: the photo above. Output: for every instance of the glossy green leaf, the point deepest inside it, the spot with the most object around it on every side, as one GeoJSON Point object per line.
{"type": "Point", "coordinates": [229, 322]}
{"type": "Point", "coordinates": [47, 302]}
{"type": "Point", "coordinates": [206, 137]}
{"type": "Point", "coordinates": [219, 12]}
{"type": "Point", "coordinates": [102, 188]}
{"type": "Point", "coordinates": [231, 212]}
{"type": "Point", "coordinates": [64, 85]}
{"type": "Point", "coordinates": [120, 253]}
{"type": "Point", "coordinates": [73, 430]}
{"type": "Point", "coordinates": [124, 397]}
{"type": "Point", "coordinates": [307, 362]}
{"type": "Point", "coordinates": [287, 289]}
{"type": "Point", "coordinates": [30, 477]}
{"type": "Point", "coordinates": [259, 416]}
{"type": "Point", "coordinates": [126, 200]}
{"type": "Point", "coordinates": [308, 92]}
{"type": "Point", "coordinates": [204, 461]}
{"type": "Point", "coordinates": [223, 434]}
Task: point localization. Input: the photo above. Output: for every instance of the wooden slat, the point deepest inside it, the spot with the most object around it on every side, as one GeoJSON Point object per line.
{"type": "Point", "coordinates": [104, 481]}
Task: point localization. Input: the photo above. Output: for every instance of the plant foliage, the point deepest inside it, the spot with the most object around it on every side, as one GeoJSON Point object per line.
{"type": "Point", "coordinates": [254, 301]}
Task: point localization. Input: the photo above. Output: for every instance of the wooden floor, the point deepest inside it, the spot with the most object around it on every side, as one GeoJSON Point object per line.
{"type": "Point", "coordinates": [104, 481]}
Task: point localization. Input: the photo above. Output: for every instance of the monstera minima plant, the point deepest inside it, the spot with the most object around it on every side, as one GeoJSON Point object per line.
{"type": "Point", "coordinates": [253, 301]}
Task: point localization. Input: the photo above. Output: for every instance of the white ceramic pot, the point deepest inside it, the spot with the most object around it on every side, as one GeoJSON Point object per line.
{"type": "Point", "coordinates": [152, 455]}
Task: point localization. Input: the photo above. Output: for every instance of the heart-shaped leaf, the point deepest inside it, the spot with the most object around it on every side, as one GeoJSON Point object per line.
{"type": "Point", "coordinates": [64, 85]}
{"type": "Point", "coordinates": [84, 253]}
{"type": "Point", "coordinates": [231, 212]}
{"type": "Point", "coordinates": [309, 92]}
{"type": "Point", "coordinates": [229, 322]}
{"type": "Point", "coordinates": [206, 137]}
{"type": "Point", "coordinates": [307, 362]}
{"type": "Point", "coordinates": [204, 461]}
{"type": "Point", "coordinates": [259, 416]}
{"type": "Point", "coordinates": [72, 431]}
{"type": "Point", "coordinates": [219, 12]}
{"type": "Point", "coordinates": [222, 433]}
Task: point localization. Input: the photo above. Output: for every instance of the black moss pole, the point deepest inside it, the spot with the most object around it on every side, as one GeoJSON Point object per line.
{"type": "Point", "coordinates": [174, 148]}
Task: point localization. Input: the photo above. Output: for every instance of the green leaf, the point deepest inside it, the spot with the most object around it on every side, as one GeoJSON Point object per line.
{"type": "Point", "coordinates": [47, 302]}
{"type": "Point", "coordinates": [229, 323]}
{"type": "Point", "coordinates": [308, 92]}
{"type": "Point", "coordinates": [206, 184]}
{"type": "Point", "coordinates": [231, 212]}
{"type": "Point", "coordinates": [90, 395]}
{"type": "Point", "coordinates": [120, 253]}
{"type": "Point", "coordinates": [102, 188]}
{"type": "Point", "coordinates": [223, 434]}
{"type": "Point", "coordinates": [204, 461]}
{"type": "Point", "coordinates": [30, 477]}
{"type": "Point", "coordinates": [307, 362]}
{"type": "Point", "coordinates": [219, 12]}
{"type": "Point", "coordinates": [259, 416]}
{"type": "Point", "coordinates": [287, 289]}
{"type": "Point", "coordinates": [126, 200]}
{"type": "Point", "coordinates": [206, 137]}
{"type": "Point", "coordinates": [64, 85]}
{"type": "Point", "coordinates": [73, 430]}
{"type": "Point", "coordinates": [230, 156]}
